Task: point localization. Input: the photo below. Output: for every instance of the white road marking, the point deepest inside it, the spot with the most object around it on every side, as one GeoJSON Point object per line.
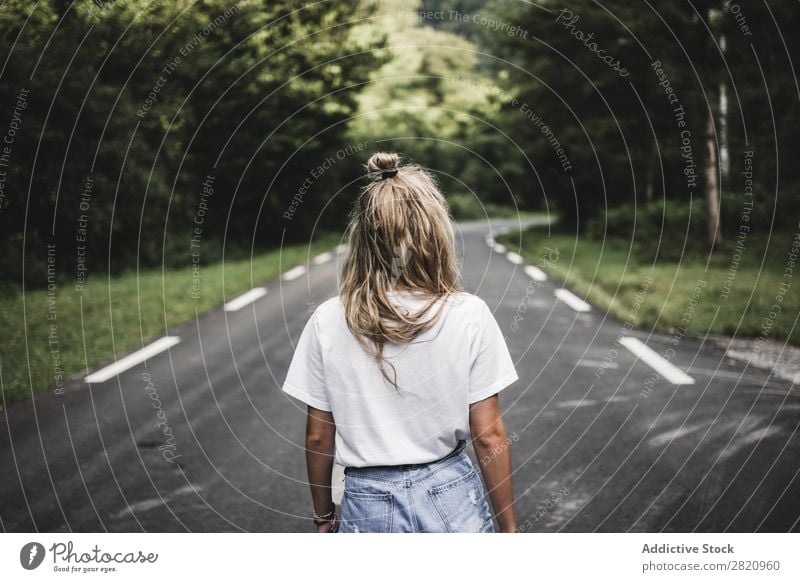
{"type": "Point", "coordinates": [293, 274]}
{"type": "Point", "coordinates": [617, 399]}
{"type": "Point", "coordinates": [245, 299]}
{"type": "Point", "coordinates": [666, 438]}
{"type": "Point", "coordinates": [145, 505]}
{"type": "Point", "coordinates": [323, 258]}
{"type": "Point", "coordinates": [597, 364]}
{"type": "Point", "coordinates": [576, 403]}
{"type": "Point", "coordinates": [778, 392]}
{"type": "Point", "coordinates": [782, 361]}
{"type": "Point", "coordinates": [498, 248]}
{"type": "Point", "coordinates": [514, 258]}
{"type": "Point", "coordinates": [751, 437]}
{"type": "Point", "coordinates": [133, 359]}
{"type": "Point", "coordinates": [535, 273]}
{"type": "Point", "coordinates": [659, 364]}
{"type": "Point", "coordinates": [148, 504]}
{"type": "Point", "coordinates": [573, 301]}
{"type": "Point", "coordinates": [722, 374]}
{"type": "Point", "coordinates": [489, 240]}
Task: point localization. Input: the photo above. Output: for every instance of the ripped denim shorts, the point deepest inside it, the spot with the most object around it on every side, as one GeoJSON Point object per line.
{"type": "Point", "coordinates": [443, 496]}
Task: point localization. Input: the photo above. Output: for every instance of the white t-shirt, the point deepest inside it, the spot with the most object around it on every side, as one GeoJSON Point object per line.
{"type": "Point", "coordinates": [462, 359]}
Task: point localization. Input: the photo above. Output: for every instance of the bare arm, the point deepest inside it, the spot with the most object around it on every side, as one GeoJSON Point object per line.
{"type": "Point", "coordinates": [493, 450]}
{"type": "Point", "coordinates": [320, 433]}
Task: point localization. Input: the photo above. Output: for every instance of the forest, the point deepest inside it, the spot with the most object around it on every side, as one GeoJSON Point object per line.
{"type": "Point", "coordinates": [117, 113]}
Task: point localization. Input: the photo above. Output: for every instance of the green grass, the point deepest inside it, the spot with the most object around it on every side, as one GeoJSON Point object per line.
{"type": "Point", "coordinates": [469, 207]}
{"type": "Point", "coordinates": [611, 278]}
{"type": "Point", "coordinates": [114, 315]}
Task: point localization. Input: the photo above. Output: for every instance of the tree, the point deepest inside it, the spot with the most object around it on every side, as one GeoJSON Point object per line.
{"type": "Point", "coordinates": [653, 135]}
{"type": "Point", "coordinates": [142, 101]}
{"type": "Point", "coordinates": [430, 102]}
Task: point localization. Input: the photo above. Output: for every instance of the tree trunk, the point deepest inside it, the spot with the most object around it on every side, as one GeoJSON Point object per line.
{"type": "Point", "coordinates": [712, 185]}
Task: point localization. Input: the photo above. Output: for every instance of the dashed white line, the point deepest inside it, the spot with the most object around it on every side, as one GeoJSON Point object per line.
{"type": "Point", "coordinates": [535, 273]}
{"type": "Point", "coordinates": [659, 364]}
{"type": "Point", "coordinates": [323, 258]}
{"type": "Point", "coordinates": [573, 301]}
{"type": "Point", "coordinates": [133, 359]}
{"type": "Point", "coordinates": [498, 248]}
{"type": "Point", "coordinates": [245, 299]}
{"type": "Point", "coordinates": [293, 274]}
{"type": "Point", "coordinates": [514, 258]}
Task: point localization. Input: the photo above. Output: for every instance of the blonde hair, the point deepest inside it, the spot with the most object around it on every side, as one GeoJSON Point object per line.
{"type": "Point", "coordinates": [400, 236]}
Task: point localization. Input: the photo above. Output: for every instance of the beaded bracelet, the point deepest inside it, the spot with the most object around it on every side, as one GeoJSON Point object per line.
{"type": "Point", "coordinates": [330, 517]}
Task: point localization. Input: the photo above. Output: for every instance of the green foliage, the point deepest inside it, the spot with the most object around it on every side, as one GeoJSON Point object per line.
{"type": "Point", "coordinates": [611, 275]}
{"type": "Point", "coordinates": [147, 99]}
{"type": "Point", "coordinates": [430, 102]}
{"type": "Point", "coordinates": [445, 19]}
{"type": "Point", "coordinates": [674, 230]}
{"type": "Point", "coordinates": [667, 231]}
{"type": "Point", "coordinates": [621, 132]}
{"type": "Point", "coordinates": [464, 206]}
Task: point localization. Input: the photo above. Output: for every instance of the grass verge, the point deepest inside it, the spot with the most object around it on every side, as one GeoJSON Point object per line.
{"type": "Point", "coordinates": [728, 297]}
{"type": "Point", "coordinates": [466, 207]}
{"type": "Point", "coordinates": [47, 338]}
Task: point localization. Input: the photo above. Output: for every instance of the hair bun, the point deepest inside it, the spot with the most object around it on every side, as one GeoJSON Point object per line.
{"type": "Point", "coordinates": [382, 161]}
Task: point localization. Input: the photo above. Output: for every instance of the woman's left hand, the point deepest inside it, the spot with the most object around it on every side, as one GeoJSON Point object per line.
{"type": "Point", "coordinates": [329, 526]}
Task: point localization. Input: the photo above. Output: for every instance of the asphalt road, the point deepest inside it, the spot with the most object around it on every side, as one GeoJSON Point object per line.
{"type": "Point", "coordinates": [200, 438]}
